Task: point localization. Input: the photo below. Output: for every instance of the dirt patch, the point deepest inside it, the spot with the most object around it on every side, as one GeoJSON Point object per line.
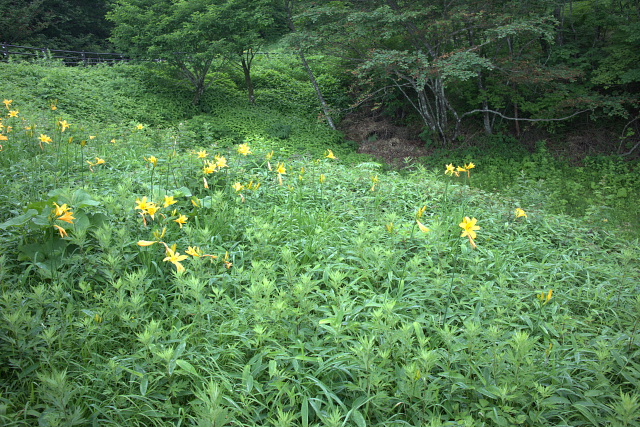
{"type": "Point", "coordinates": [378, 136]}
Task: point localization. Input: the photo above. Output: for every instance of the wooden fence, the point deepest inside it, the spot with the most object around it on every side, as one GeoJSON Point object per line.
{"type": "Point", "coordinates": [69, 57]}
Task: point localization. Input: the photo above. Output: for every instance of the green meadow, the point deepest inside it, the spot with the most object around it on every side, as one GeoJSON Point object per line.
{"type": "Point", "coordinates": [244, 266]}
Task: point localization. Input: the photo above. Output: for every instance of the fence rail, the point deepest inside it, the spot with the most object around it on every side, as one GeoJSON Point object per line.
{"type": "Point", "coordinates": [69, 57]}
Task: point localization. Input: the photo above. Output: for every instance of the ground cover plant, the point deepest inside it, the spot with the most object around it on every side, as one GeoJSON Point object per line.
{"type": "Point", "coordinates": [157, 277]}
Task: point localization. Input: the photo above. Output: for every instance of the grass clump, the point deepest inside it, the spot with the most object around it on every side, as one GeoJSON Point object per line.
{"type": "Point", "coordinates": [159, 280]}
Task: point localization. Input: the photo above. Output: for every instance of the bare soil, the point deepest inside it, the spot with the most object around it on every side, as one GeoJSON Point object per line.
{"type": "Point", "coordinates": [396, 145]}
{"type": "Point", "coordinates": [378, 136]}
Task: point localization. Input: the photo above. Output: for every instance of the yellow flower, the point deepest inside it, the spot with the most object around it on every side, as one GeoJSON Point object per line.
{"type": "Point", "coordinates": [238, 187]}
{"type": "Point", "coordinates": [160, 234]}
{"type": "Point", "coordinates": [545, 297]}
{"type": "Point", "coordinates": [202, 154]}
{"type": "Point", "coordinates": [63, 213]}
{"type": "Point", "coordinates": [8, 102]}
{"type": "Point", "coordinates": [375, 180]}
{"type": "Point", "coordinates": [209, 167]}
{"type": "Point", "coordinates": [226, 261]}
{"type": "Point", "coordinates": [194, 251]}
{"type": "Point", "coordinates": [281, 169]}
{"type": "Point", "coordinates": [14, 113]}
{"type": "Point", "coordinates": [330, 155]}
{"type": "Point", "coordinates": [182, 219]}
{"type": "Point", "coordinates": [140, 126]}
{"type": "Point", "coordinates": [4, 138]}
{"type": "Point", "coordinates": [421, 212]}
{"type": "Point", "coordinates": [62, 231]}
{"type": "Point", "coordinates": [64, 125]}
{"type": "Point", "coordinates": [152, 208]}
{"type": "Point", "coordinates": [113, 141]}
{"type": "Point", "coordinates": [168, 201]}
{"type": "Point", "coordinates": [520, 212]}
{"type": "Point", "coordinates": [422, 227]}
{"type": "Point", "coordinates": [175, 258]}
{"type": "Point", "coordinates": [153, 160]}
{"type": "Point", "coordinates": [99, 161]}
{"type": "Point", "coordinates": [221, 162]}
{"type": "Point", "coordinates": [460, 169]}
{"type": "Point", "coordinates": [469, 166]}
{"type": "Point", "coordinates": [244, 149]}
{"type": "Point", "coordinates": [269, 156]}
{"type": "Point", "coordinates": [323, 178]}
{"type": "Point", "coordinates": [469, 227]}
{"type": "Point", "coordinates": [92, 137]}
{"type": "Point", "coordinates": [54, 107]}
{"type": "Point", "coordinates": [450, 169]}
{"type": "Point", "coordinates": [60, 210]}
{"type": "Point", "coordinates": [67, 217]}
{"type": "Point", "coordinates": [142, 204]}
{"type": "Point", "coordinates": [145, 243]}
{"type": "Point", "coordinates": [45, 138]}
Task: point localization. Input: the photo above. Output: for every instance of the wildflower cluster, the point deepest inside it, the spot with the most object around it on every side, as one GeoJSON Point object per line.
{"type": "Point", "coordinates": [457, 170]}
{"type": "Point", "coordinates": [62, 213]}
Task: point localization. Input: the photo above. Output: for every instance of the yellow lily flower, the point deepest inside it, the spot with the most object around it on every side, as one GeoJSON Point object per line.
{"type": "Point", "coordinates": [168, 201]}
{"type": "Point", "coordinates": [244, 149]}
{"type": "Point", "coordinates": [175, 258]}
{"type": "Point", "coordinates": [221, 162]}
{"type": "Point", "coordinates": [45, 138]}
{"type": "Point", "coordinates": [422, 227]}
{"type": "Point", "coordinates": [182, 219]}
{"type": "Point", "coordinates": [153, 160]}
{"type": "Point", "coordinates": [62, 231]}
{"type": "Point", "coordinates": [469, 227]}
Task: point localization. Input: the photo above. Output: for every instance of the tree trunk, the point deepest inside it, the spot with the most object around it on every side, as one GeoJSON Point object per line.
{"type": "Point", "coordinates": [488, 129]}
{"type": "Point", "coordinates": [246, 69]}
{"type": "Point", "coordinates": [325, 107]}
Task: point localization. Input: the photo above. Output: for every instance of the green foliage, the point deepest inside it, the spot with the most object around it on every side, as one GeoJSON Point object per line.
{"type": "Point", "coordinates": [111, 95]}
{"type": "Point", "coordinates": [279, 286]}
{"type": "Point", "coordinates": [54, 24]}
{"type": "Point", "coordinates": [601, 190]}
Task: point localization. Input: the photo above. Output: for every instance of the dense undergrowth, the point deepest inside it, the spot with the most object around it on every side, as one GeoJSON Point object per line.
{"type": "Point", "coordinates": [195, 272]}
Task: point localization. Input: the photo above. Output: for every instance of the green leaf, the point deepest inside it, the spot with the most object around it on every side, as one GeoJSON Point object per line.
{"type": "Point", "coordinates": [187, 367]}
{"type": "Point", "coordinates": [358, 418]}
{"type": "Point", "coordinates": [19, 220]}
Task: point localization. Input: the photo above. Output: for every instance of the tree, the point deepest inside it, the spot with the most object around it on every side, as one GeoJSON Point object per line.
{"type": "Point", "coordinates": [60, 24]}
{"type": "Point", "coordinates": [298, 43]}
{"type": "Point", "coordinates": [181, 32]}
{"type": "Point", "coordinates": [246, 26]}
{"type": "Point", "coordinates": [20, 20]}
{"type": "Point", "coordinates": [198, 35]}
{"type": "Point", "coordinates": [426, 49]}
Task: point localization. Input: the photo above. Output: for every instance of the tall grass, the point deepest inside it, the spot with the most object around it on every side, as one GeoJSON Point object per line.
{"type": "Point", "coordinates": [218, 283]}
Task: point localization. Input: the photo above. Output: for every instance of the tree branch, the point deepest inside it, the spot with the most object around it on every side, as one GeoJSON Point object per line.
{"type": "Point", "coordinates": [520, 119]}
